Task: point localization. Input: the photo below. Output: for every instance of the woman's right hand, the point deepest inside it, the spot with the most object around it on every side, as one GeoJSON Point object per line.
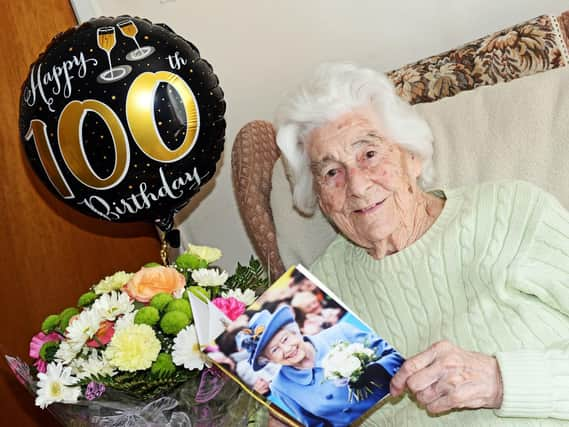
{"type": "Point", "coordinates": [446, 377]}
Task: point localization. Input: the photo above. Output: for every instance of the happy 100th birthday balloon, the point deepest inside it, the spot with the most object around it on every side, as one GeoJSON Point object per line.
{"type": "Point", "coordinates": [123, 119]}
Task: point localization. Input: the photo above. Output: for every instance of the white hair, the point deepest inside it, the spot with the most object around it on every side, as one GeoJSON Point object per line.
{"type": "Point", "coordinates": [336, 89]}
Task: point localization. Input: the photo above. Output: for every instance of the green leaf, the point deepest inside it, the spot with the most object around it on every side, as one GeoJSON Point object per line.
{"type": "Point", "coordinates": [143, 385]}
{"type": "Point", "coordinates": [251, 276]}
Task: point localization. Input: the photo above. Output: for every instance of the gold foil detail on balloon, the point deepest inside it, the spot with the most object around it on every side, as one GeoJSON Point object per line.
{"type": "Point", "coordinates": [38, 130]}
{"type": "Point", "coordinates": [142, 122]}
{"type": "Point", "coordinates": [70, 137]}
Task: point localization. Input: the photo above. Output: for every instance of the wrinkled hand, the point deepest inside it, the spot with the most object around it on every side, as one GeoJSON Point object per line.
{"type": "Point", "coordinates": [446, 377]}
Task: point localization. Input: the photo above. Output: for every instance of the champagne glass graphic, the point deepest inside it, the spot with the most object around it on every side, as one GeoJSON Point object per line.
{"type": "Point", "coordinates": [129, 29]}
{"type": "Point", "coordinates": [106, 40]}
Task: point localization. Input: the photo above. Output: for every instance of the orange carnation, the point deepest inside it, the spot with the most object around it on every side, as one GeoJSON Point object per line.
{"type": "Point", "coordinates": [149, 281]}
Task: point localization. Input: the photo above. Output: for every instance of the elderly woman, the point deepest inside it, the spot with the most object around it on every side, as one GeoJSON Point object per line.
{"type": "Point", "coordinates": [300, 383]}
{"type": "Point", "coordinates": [473, 282]}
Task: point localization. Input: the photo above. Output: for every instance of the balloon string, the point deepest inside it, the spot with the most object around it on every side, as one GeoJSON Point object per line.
{"type": "Point", "coordinates": [164, 251]}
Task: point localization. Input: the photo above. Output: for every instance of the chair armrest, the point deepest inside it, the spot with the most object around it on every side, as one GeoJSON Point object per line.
{"type": "Point", "coordinates": [253, 156]}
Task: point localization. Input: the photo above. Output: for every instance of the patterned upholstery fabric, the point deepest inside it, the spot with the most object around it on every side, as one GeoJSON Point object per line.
{"type": "Point", "coordinates": [535, 46]}
{"type": "Point", "coordinates": [252, 159]}
{"type": "Point", "coordinates": [532, 47]}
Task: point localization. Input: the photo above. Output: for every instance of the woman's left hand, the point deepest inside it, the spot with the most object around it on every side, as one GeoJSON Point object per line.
{"type": "Point", "coordinates": [446, 377]}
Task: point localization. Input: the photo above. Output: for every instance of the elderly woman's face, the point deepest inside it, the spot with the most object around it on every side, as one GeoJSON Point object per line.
{"type": "Point", "coordinates": [364, 181]}
{"type": "Point", "coordinates": [286, 348]}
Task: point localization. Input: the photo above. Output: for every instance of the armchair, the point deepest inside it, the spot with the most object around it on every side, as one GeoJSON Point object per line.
{"type": "Point", "coordinates": [493, 104]}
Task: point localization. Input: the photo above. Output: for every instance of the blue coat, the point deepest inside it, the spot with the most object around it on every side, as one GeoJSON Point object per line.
{"type": "Point", "coordinates": [319, 402]}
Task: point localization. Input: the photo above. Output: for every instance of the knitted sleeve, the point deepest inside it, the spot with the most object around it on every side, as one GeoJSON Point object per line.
{"type": "Point", "coordinates": [536, 382]}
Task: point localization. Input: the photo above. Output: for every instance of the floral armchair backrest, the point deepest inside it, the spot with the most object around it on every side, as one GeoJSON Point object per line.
{"type": "Point", "coordinates": [537, 45]}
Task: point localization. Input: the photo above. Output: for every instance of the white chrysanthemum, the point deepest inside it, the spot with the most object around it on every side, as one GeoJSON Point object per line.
{"type": "Point", "coordinates": [247, 297]}
{"type": "Point", "coordinates": [56, 385]}
{"type": "Point", "coordinates": [125, 321]}
{"type": "Point", "coordinates": [67, 351]}
{"type": "Point", "coordinates": [77, 369]}
{"type": "Point", "coordinates": [186, 350]}
{"type": "Point", "coordinates": [94, 365]}
{"type": "Point", "coordinates": [112, 283]}
{"type": "Point", "coordinates": [205, 252]}
{"type": "Point", "coordinates": [83, 327]}
{"type": "Point", "coordinates": [110, 306]}
{"type": "Point", "coordinates": [209, 277]}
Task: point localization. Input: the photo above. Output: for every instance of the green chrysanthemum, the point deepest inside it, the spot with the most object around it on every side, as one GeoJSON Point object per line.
{"type": "Point", "coordinates": [152, 264]}
{"type": "Point", "coordinates": [65, 316]}
{"type": "Point", "coordinates": [161, 300]}
{"type": "Point", "coordinates": [50, 323]}
{"type": "Point", "coordinates": [180, 305]}
{"type": "Point", "coordinates": [173, 322]}
{"type": "Point", "coordinates": [188, 261]}
{"type": "Point", "coordinates": [48, 350]}
{"type": "Point", "coordinates": [147, 316]}
{"type": "Point", "coordinates": [200, 292]}
{"type": "Point", "coordinates": [86, 299]}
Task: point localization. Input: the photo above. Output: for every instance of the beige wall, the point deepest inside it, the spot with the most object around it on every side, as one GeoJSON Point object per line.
{"type": "Point", "coordinates": [261, 48]}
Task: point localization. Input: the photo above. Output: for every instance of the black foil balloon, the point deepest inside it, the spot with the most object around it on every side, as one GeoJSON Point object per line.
{"type": "Point", "coordinates": [123, 119]}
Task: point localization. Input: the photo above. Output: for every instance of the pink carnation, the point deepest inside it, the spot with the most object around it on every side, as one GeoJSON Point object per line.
{"type": "Point", "coordinates": [36, 344]}
{"type": "Point", "coordinates": [103, 335]}
{"type": "Point", "coordinates": [41, 365]}
{"type": "Point", "coordinates": [231, 307]}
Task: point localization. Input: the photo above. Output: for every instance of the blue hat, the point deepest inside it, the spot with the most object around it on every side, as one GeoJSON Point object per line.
{"type": "Point", "coordinates": [262, 327]}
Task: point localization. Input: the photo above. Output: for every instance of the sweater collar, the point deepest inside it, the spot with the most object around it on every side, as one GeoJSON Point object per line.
{"type": "Point", "coordinates": [454, 200]}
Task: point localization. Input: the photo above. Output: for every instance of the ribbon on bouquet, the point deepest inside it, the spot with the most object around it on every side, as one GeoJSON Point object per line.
{"type": "Point", "coordinates": [211, 382]}
{"type": "Point", "coordinates": [151, 415]}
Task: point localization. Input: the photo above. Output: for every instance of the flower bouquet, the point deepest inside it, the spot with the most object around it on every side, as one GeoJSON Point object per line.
{"type": "Point", "coordinates": [127, 354]}
{"type": "Point", "coordinates": [349, 364]}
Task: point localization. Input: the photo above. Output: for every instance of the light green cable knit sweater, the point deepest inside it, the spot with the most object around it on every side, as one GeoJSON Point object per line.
{"type": "Point", "coordinates": [490, 275]}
